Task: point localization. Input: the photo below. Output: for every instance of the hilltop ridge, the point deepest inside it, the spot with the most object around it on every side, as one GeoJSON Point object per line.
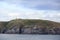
{"type": "Point", "coordinates": [29, 26]}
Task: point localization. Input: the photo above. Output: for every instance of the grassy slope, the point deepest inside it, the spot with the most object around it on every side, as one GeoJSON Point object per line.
{"type": "Point", "coordinates": [43, 23]}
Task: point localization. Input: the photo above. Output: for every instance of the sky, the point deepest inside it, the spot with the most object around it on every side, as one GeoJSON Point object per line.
{"type": "Point", "coordinates": [30, 9]}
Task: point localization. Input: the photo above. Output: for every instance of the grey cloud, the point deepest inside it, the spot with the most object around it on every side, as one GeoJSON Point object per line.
{"type": "Point", "coordinates": [41, 4]}
{"type": "Point", "coordinates": [37, 4]}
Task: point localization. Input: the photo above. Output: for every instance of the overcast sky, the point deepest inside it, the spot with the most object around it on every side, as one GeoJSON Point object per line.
{"type": "Point", "coordinates": [30, 9]}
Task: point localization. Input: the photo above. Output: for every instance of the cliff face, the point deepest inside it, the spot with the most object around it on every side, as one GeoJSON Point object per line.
{"type": "Point", "coordinates": [25, 26]}
{"type": "Point", "coordinates": [3, 26]}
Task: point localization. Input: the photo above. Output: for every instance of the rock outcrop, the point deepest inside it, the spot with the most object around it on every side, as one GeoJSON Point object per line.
{"type": "Point", "coordinates": [20, 26]}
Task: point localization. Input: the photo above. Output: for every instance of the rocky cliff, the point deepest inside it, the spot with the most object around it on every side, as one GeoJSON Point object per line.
{"type": "Point", "coordinates": [29, 26]}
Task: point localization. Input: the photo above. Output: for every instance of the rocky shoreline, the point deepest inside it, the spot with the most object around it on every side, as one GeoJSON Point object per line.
{"type": "Point", "coordinates": [29, 27]}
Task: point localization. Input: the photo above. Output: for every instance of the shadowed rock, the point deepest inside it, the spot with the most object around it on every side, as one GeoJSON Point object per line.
{"type": "Point", "coordinates": [28, 26]}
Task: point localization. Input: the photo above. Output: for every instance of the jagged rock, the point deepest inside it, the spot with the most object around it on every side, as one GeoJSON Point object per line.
{"type": "Point", "coordinates": [57, 30]}
{"type": "Point", "coordinates": [26, 31]}
{"type": "Point", "coordinates": [30, 27]}
{"type": "Point", "coordinates": [14, 30]}
{"type": "Point", "coordinates": [3, 30]}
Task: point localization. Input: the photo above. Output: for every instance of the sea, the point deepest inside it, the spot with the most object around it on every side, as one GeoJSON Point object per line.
{"type": "Point", "coordinates": [28, 37]}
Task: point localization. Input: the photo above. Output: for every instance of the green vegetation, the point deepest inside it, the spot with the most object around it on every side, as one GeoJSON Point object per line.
{"type": "Point", "coordinates": [43, 24]}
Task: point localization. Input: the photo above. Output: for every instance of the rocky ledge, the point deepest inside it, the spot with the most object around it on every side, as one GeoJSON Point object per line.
{"type": "Point", "coordinates": [28, 26]}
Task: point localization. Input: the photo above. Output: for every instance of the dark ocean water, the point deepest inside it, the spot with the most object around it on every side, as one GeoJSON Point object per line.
{"type": "Point", "coordinates": [28, 37]}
